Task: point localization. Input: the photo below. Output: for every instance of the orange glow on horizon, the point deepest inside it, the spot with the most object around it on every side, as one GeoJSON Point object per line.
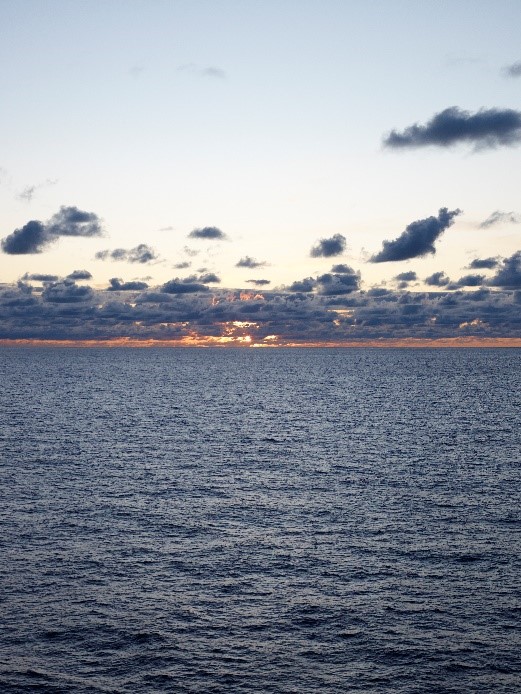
{"type": "Point", "coordinates": [272, 341]}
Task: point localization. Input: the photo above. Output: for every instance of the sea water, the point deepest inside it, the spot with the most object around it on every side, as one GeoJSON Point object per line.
{"type": "Point", "coordinates": [286, 520]}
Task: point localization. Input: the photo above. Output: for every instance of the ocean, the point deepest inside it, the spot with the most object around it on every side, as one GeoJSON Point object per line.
{"type": "Point", "coordinates": [240, 520]}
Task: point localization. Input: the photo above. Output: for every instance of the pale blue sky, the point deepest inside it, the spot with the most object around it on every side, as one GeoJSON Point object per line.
{"type": "Point", "coordinates": [264, 119]}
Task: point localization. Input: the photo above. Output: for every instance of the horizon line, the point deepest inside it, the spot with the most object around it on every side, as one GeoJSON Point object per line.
{"type": "Point", "coordinates": [202, 343]}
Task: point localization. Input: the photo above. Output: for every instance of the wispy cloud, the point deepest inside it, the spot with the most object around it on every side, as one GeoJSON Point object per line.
{"type": "Point", "coordinates": [140, 254]}
{"type": "Point", "coordinates": [487, 128]}
{"type": "Point", "coordinates": [499, 217]}
{"type": "Point", "coordinates": [210, 71]}
{"type": "Point", "coordinates": [513, 70]}
{"type": "Point", "coordinates": [249, 262]}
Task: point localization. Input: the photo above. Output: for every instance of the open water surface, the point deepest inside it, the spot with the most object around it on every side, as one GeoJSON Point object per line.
{"type": "Point", "coordinates": [260, 520]}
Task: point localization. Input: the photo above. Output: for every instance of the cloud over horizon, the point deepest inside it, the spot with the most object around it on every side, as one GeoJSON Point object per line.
{"type": "Point", "coordinates": [485, 129]}
{"type": "Point", "coordinates": [418, 238]}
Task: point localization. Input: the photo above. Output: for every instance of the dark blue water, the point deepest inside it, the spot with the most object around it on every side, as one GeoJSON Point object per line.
{"type": "Point", "coordinates": [260, 521]}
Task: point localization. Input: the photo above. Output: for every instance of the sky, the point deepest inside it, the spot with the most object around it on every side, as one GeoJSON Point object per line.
{"type": "Point", "coordinates": [237, 172]}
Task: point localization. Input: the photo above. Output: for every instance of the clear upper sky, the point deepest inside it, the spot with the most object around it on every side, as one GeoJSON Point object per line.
{"type": "Point", "coordinates": [263, 119]}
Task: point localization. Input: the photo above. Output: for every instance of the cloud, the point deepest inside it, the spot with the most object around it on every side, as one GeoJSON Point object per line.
{"type": "Point", "coordinates": [306, 285]}
{"type": "Point", "coordinates": [418, 238]}
{"type": "Point", "coordinates": [487, 128]}
{"type": "Point", "coordinates": [467, 281]}
{"type": "Point", "coordinates": [206, 278]}
{"type": "Point", "coordinates": [208, 71]}
{"type": "Point", "coordinates": [140, 254]}
{"type": "Point", "coordinates": [66, 311]}
{"type": "Point", "coordinates": [259, 283]}
{"type": "Point", "coordinates": [409, 276]}
{"type": "Point", "coordinates": [31, 238]}
{"type": "Point", "coordinates": [116, 285]}
{"type": "Point", "coordinates": [207, 233]}
{"type": "Point", "coordinates": [326, 248]}
{"type": "Point", "coordinates": [66, 292]}
{"type": "Point", "coordinates": [513, 70]}
{"type": "Point", "coordinates": [36, 277]}
{"type": "Point", "coordinates": [334, 284]}
{"type": "Point", "coordinates": [215, 72]}
{"type": "Point", "coordinates": [498, 217]}
{"type": "Point", "coordinates": [249, 262]}
{"type": "Point", "coordinates": [484, 263]}
{"type": "Point", "coordinates": [28, 193]}
{"type": "Point", "coordinates": [181, 266]}
{"type": "Point", "coordinates": [70, 221]}
{"type": "Point", "coordinates": [341, 269]}
{"type": "Point", "coordinates": [189, 285]}
{"type": "Point", "coordinates": [79, 275]}
{"type": "Point", "coordinates": [508, 275]}
{"type": "Point", "coordinates": [35, 236]}
{"type": "Point", "coordinates": [437, 279]}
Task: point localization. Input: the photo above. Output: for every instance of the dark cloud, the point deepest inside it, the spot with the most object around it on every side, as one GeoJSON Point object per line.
{"type": "Point", "coordinates": [212, 233]}
{"type": "Point", "coordinates": [36, 277]}
{"type": "Point", "coordinates": [31, 238]}
{"type": "Point", "coordinates": [409, 276]}
{"type": "Point", "coordinates": [508, 275]}
{"type": "Point", "coordinates": [334, 284]}
{"type": "Point", "coordinates": [207, 278]}
{"type": "Point", "coordinates": [259, 283]}
{"type": "Point", "coordinates": [327, 248]}
{"type": "Point", "coordinates": [437, 279]}
{"type": "Point", "coordinates": [70, 221]}
{"type": "Point", "coordinates": [418, 238]}
{"type": "Point", "coordinates": [66, 292]}
{"type": "Point", "coordinates": [189, 285]}
{"type": "Point", "coordinates": [250, 262]}
{"type": "Point", "coordinates": [484, 263]}
{"type": "Point", "coordinates": [66, 311]}
{"type": "Point", "coordinates": [116, 285]}
{"type": "Point", "coordinates": [306, 285]}
{"type": "Point", "coordinates": [485, 128]}
{"type": "Point", "coordinates": [140, 254]}
{"type": "Point", "coordinates": [341, 269]}
{"type": "Point", "coordinates": [513, 70]}
{"type": "Point", "coordinates": [35, 236]}
{"type": "Point", "coordinates": [79, 275]}
{"type": "Point", "coordinates": [467, 281]}
{"type": "Point", "coordinates": [499, 217]}
{"type": "Point", "coordinates": [181, 266]}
